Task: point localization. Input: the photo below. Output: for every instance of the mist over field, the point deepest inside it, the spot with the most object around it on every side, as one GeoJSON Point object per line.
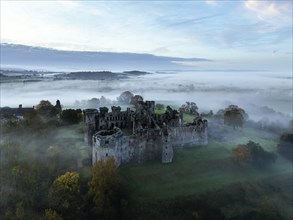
{"type": "Point", "coordinates": [171, 80]}
{"type": "Point", "coordinates": [211, 90]}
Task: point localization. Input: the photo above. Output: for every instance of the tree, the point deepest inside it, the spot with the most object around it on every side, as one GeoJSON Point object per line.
{"type": "Point", "coordinates": [26, 181]}
{"type": "Point", "coordinates": [19, 213]}
{"type": "Point", "coordinates": [159, 106]}
{"type": "Point", "coordinates": [260, 157]}
{"type": "Point", "coordinates": [193, 109]}
{"type": "Point", "coordinates": [135, 99]}
{"type": "Point", "coordinates": [33, 119]}
{"type": "Point", "coordinates": [51, 215]}
{"type": "Point", "coordinates": [45, 108]}
{"type": "Point", "coordinates": [104, 189]}
{"type": "Point", "coordinates": [9, 152]}
{"type": "Point", "coordinates": [291, 124]}
{"type": "Point", "coordinates": [233, 116]}
{"type": "Point", "coordinates": [252, 153]}
{"type": "Point", "coordinates": [189, 108]}
{"type": "Point", "coordinates": [125, 98]}
{"type": "Point", "coordinates": [64, 195]}
{"type": "Point", "coordinates": [285, 146]}
{"type": "Point", "coordinates": [71, 116]}
{"type": "Point", "coordinates": [241, 155]}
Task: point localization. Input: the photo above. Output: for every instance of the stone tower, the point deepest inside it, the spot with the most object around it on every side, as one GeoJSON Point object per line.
{"type": "Point", "coordinates": [89, 119]}
{"type": "Point", "coordinates": [167, 148]}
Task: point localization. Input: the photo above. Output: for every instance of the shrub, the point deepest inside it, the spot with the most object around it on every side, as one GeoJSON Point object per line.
{"type": "Point", "coordinates": [254, 154]}
{"type": "Point", "coordinates": [285, 146]}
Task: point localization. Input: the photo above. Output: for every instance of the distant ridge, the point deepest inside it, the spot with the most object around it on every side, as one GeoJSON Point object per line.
{"type": "Point", "coordinates": [28, 57]}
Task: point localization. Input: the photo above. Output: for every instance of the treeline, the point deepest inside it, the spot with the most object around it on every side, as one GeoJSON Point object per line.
{"type": "Point", "coordinates": [100, 75]}
{"type": "Point", "coordinates": [46, 173]}
{"type": "Point", "coordinates": [43, 117]}
{"type": "Point", "coordinates": [252, 154]}
{"type": "Point", "coordinates": [125, 98]}
{"type": "Point", "coordinates": [40, 190]}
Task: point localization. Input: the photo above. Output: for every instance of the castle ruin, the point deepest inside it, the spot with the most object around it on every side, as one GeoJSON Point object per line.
{"type": "Point", "coordinates": [140, 134]}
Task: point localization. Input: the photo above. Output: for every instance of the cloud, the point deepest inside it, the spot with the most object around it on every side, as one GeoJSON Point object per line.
{"type": "Point", "coordinates": [168, 28]}
{"type": "Point", "coordinates": [81, 8]}
{"type": "Point", "coordinates": [263, 8]}
{"type": "Point", "coordinates": [192, 63]}
{"type": "Point", "coordinates": [197, 20]}
{"type": "Point", "coordinates": [161, 50]}
{"type": "Point", "coordinates": [277, 11]}
{"type": "Point", "coordinates": [69, 4]}
{"type": "Point", "coordinates": [211, 2]}
{"type": "Point", "coordinates": [247, 36]}
{"type": "Point", "coordinates": [263, 26]}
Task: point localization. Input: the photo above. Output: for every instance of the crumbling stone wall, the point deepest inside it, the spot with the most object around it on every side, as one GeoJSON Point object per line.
{"type": "Point", "coordinates": [189, 136]}
{"type": "Point", "coordinates": [138, 147]}
{"type": "Point", "coordinates": [144, 135]}
{"type": "Point", "coordinates": [146, 144]}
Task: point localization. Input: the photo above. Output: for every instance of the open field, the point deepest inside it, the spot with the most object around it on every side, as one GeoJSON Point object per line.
{"type": "Point", "coordinates": [199, 169]}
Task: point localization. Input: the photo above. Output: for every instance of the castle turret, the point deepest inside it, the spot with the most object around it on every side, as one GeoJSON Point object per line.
{"type": "Point", "coordinates": [150, 106]}
{"type": "Point", "coordinates": [116, 109]}
{"type": "Point", "coordinates": [104, 110]}
{"type": "Point", "coordinates": [107, 143]}
{"type": "Point", "coordinates": [89, 116]}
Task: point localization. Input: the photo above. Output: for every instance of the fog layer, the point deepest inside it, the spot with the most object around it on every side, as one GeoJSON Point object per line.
{"type": "Point", "coordinates": [210, 90]}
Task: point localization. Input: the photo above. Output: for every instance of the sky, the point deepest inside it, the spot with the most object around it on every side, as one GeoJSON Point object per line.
{"type": "Point", "coordinates": [234, 34]}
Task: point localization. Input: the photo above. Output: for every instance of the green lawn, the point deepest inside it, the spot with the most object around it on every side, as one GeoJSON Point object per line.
{"type": "Point", "coordinates": [267, 140]}
{"type": "Point", "coordinates": [188, 118]}
{"type": "Point", "coordinates": [200, 169]}
{"type": "Point", "coordinates": [160, 112]}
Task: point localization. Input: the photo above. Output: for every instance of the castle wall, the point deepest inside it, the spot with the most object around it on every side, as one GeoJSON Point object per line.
{"type": "Point", "coordinates": [146, 145]}
{"type": "Point", "coordinates": [137, 148]}
{"type": "Point", "coordinates": [189, 136]}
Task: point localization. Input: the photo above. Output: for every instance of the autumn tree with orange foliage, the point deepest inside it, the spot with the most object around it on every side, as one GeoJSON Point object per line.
{"type": "Point", "coordinates": [254, 154]}
{"type": "Point", "coordinates": [241, 155]}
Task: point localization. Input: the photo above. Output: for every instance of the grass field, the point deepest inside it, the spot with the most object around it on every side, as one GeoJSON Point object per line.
{"type": "Point", "coordinates": [160, 111]}
{"type": "Point", "coordinates": [199, 169]}
{"type": "Point", "coordinates": [188, 118]}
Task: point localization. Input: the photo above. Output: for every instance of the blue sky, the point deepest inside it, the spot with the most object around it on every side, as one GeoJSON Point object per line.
{"type": "Point", "coordinates": [235, 34]}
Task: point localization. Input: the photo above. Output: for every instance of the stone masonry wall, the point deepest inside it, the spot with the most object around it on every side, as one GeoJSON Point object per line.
{"type": "Point", "coordinates": [146, 145]}
{"type": "Point", "coordinates": [188, 136]}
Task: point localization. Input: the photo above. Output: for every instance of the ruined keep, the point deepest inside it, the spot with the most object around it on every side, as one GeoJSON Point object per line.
{"type": "Point", "coordinates": [139, 134]}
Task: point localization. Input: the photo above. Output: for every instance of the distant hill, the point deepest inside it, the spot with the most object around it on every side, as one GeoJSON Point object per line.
{"type": "Point", "coordinates": [6, 75]}
{"type": "Point", "coordinates": [27, 57]}
{"type": "Point", "coordinates": [100, 75]}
